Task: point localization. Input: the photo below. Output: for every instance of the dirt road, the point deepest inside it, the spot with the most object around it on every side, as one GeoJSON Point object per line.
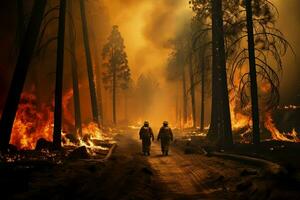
{"type": "Point", "coordinates": [181, 176]}
{"type": "Point", "coordinates": [128, 175]}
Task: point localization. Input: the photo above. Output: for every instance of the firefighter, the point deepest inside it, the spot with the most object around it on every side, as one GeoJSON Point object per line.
{"type": "Point", "coordinates": [146, 135]}
{"type": "Point", "coordinates": [165, 135]}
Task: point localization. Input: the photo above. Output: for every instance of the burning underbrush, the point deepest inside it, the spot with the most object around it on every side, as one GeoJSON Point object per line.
{"type": "Point", "coordinates": [278, 125]}
{"type": "Point", "coordinates": [32, 133]}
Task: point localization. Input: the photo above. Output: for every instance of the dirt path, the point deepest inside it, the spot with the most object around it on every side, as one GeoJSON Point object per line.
{"type": "Point", "coordinates": [181, 176]}
{"type": "Point", "coordinates": [128, 175]}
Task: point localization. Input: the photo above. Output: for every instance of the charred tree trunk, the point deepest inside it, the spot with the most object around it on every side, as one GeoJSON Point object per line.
{"type": "Point", "coordinates": [59, 76]}
{"type": "Point", "coordinates": [192, 83]}
{"type": "Point", "coordinates": [114, 95]}
{"type": "Point", "coordinates": [19, 76]}
{"type": "Point", "coordinates": [98, 77]}
{"type": "Point", "coordinates": [177, 104]}
{"type": "Point", "coordinates": [253, 78]}
{"type": "Point", "coordinates": [202, 95]}
{"type": "Point", "coordinates": [221, 112]}
{"type": "Point", "coordinates": [184, 95]}
{"type": "Point", "coordinates": [21, 22]}
{"type": "Point", "coordinates": [91, 77]}
{"type": "Point", "coordinates": [213, 133]}
{"type": "Point", "coordinates": [74, 67]}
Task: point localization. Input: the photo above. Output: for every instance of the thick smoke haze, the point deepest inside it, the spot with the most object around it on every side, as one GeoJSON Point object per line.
{"type": "Point", "coordinates": [147, 27]}
{"type": "Point", "coordinates": [289, 24]}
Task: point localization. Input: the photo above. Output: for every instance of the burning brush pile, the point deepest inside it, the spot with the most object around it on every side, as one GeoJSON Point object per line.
{"type": "Point", "coordinates": [276, 125]}
{"type": "Point", "coordinates": [32, 135]}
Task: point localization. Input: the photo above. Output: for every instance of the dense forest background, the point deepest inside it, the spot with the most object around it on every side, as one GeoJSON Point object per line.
{"type": "Point", "coordinates": [147, 27]}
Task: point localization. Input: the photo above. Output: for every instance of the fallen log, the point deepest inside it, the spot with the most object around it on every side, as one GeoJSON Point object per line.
{"type": "Point", "coordinates": [268, 166]}
{"type": "Point", "coordinates": [111, 150]}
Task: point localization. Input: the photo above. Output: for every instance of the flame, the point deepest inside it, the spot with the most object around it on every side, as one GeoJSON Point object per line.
{"type": "Point", "coordinates": [276, 135]}
{"type": "Point", "coordinates": [91, 134]}
{"type": "Point", "coordinates": [189, 123]}
{"type": "Point", "coordinates": [68, 116]}
{"type": "Point", "coordinates": [31, 124]}
{"type": "Point", "coordinates": [239, 120]}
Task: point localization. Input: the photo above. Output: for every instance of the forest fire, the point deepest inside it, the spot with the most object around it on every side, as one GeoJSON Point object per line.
{"type": "Point", "coordinates": [276, 135]}
{"type": "Point", "coordinates": [33, 123]}
{"type": "Point", "coordinates": [189, 123]}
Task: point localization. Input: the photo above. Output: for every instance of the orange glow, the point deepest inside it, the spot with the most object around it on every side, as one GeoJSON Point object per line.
{"type": "Point", "coordinates": [276, 135]}
{"type": "Point", "coordinates": [189, 123]}
{"type": "Point", "coordinates": [31, 124]}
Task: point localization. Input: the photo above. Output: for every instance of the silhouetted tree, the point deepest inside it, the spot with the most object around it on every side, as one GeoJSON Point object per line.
{"type": "Point", "coordinates": [91, 76]}
{"type": "Point", "coordinates": [176, 70]}
{"type": "Point", "coordinates": [19, 75]}
{"type": "Point", "coordinates": [74, 66]}
{"type": "Point", "coordinates": [117, 73]}
{"type": "Point", "coordinates": [264, 50]}
{"type": "Point", "coordinates": [211, 13]}
{"type": "Point", "coordinates": [59, 76]}
{"type": "Point", "coordinates": [21, 21]}
{"type": "Point", "coordinates": [201, 53]}
{"type": "Point", "coordinates": [253, 80]}
{"type": "Point", "coordinates": [98, 76]}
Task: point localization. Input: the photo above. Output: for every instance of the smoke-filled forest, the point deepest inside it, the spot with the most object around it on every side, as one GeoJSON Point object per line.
{"type": "Point", "coordinates": [149, 99]}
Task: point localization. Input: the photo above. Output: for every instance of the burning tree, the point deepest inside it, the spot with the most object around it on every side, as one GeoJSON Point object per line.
{"type": "Point", "coordinates": [59, 76]}
{"type": "Point", "coordinates": [240, 20]}
{"type": "Point", "coordinates": [211, 13]}
{"type": "Point", "coordinates": [265, 47]}
{"type": "Point", "coordinates": [117, 74]}
{"type": "Point", "coordinates": [19, 76]}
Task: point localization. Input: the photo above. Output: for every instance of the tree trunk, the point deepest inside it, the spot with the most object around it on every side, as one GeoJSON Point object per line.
{"type": "Point", "coordinates": [20, 72]}
{"type": "Point", "coordinates": [126, 105]}
{"type": "Point", "coordinates": [253, 78]}
{"type": "Point", "coordinates": [222, 125]}
{"type": "Point", "coordinates": [114, 96]}
{"type": "Point", "coordinates": [192, 90]}
{"type": "Point", "coordinates": [202, 94]}
{"type": "Point", "coordinates": [59, 76]}
{"type": "Point", "coordinates": [177, 104]}
{"type": "Point", "coordinates": [21, 22]}
{"type": "Point", "coordinates": [215, 106]}
{"type": "Point", "coordinates": [74, 65]}
{"type": "Point", "coordinates": [98, 76]}
{"type": "Point", "coordinates": [184, 96]}
{"type": "Point", "coordinates": [89, 64]}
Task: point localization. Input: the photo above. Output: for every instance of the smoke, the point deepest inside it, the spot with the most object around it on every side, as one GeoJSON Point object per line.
{"type": "Point", "coordinates": [289, 24]}
{"type": "Point", "coordinates": [147, 27]}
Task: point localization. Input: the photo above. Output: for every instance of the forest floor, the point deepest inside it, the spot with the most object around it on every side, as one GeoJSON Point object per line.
{"type": "Point", "coordinates": [128, 175]}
